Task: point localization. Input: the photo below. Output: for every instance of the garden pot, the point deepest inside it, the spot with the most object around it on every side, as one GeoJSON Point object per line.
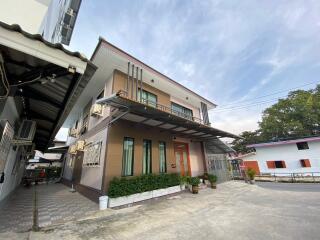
{"type": "Point", "coordinates": [213, 185]}
{"type": "Point", "coordinates": [195, 189]}
{"type": "Point", "coordinates": [252, 181]}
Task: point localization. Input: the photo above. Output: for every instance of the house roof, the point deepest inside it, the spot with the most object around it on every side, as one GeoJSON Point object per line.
{"type": "Point", "coordinates": [292, 141]}
{"type": "Point", "coordinates": [136, 61]}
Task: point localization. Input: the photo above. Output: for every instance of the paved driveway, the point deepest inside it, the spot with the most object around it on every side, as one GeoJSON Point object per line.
{"type": "Point", "coordinates": [55, 203]}
{"type": "Point", "coordinates": [233, 211]}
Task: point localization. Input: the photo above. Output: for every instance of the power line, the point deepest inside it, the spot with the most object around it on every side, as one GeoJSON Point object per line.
{"type": "Point", "coordinates": [244, 107]}
{"type": "Point", "coordinates": [274, 93]}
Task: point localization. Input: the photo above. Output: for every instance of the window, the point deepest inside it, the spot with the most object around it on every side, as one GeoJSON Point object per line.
{"type": "Point", "coordinates": [147, 158]}
{"type": "Point", "coordinates": [276, 164]}
{"type": "Point", "coordinates": [92, 154]}
{"type": "Point", "coordinates": [162, 157]}
{"type": "Point", "coordinates": [101, 95]}
{"type": "Point", "coordinates": [71, 161]}
{"type": "Point", "coordinates": [127, 156]}
{"type": "Point", "coordinates": [302, 145]}
{"type": "Point", "coordinates": [181, 111]}
{"type": "Point", "coordinates": [305, 163]}
{"type": "Point", "coordinates": [148, 98]}
{"type": "Point", "coordinates": [85, 119]}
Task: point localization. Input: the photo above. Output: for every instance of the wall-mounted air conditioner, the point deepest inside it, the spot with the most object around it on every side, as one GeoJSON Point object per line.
{"type": "Point", "coordinates": [26, 131]}
{"type": "Point", "coordinates": [96, 110]}
{"type": "Point", "coordinates": [73, 149]}
{"type": "Point", "coordinates": [80, 145]}
{"type": "Point", "coordinates": [73, 132]}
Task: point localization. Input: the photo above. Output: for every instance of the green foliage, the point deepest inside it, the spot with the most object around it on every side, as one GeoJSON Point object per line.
{"type": "Point", "coordinates": [212, 178]}
{"type": "Point", "coordinates": [296, 116]}
{"type": "Point", "coordinates": [184, 179]}
{"type": "Point", "coordinates": [251, 173]}
{"type": "Point", "coordinates": [130, 185]}
{"type": "Point", "coordinates": [194, 181]}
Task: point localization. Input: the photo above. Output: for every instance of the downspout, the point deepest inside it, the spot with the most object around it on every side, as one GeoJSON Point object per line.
{"type": "Point", "coordinates": [132, 81]}
{"type": "Point", "coordinates": [137, 81]}
{"type": "Point", "coordinates": [141, 87]}
{"type": "Point", "coordinates": [127, 85]}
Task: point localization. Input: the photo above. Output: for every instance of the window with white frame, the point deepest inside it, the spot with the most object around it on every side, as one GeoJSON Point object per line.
{"type": "Point", "coordinates": [92, 154]}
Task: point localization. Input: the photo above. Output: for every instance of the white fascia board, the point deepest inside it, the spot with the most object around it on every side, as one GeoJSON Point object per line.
{"type": "Point", "coordinates": [38, 49]}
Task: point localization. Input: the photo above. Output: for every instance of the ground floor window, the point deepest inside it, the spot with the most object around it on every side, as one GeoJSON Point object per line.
{"type": "Point", "coordinates": [162, 157]}
{"type": "Point", "coordinates": [127, 156]}
{"type": "Point", "coordinates": [276, 164]}
{"type": "Point", "coordinates": [305, 163]}
{"type": "Point", "coordinates": [147, 157]}
{"type": "Point", "coordinates": [92, 154]}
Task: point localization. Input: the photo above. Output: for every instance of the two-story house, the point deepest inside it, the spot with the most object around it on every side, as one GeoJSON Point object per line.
{"type": "Point", "coordinates": [132, 120]}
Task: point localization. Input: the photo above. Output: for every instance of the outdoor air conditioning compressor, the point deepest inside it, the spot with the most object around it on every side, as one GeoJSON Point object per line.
{"type": "Point", "coordinates": [73, 149]}
{"type": "Point", "coordinates": [80, 145]}
{"type": "Point", "coordinates": [96, 110]}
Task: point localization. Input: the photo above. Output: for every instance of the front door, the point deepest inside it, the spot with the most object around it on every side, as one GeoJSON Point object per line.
{"type": "Point", "coordinates": [181, 152]}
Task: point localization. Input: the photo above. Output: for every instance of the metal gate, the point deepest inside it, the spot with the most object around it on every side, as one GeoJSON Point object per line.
{"type": "Point", "coordinates": [218, 165]}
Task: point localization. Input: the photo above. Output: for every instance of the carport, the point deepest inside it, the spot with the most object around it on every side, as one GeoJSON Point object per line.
{"type": "Point", "coordinates": [42, 81]}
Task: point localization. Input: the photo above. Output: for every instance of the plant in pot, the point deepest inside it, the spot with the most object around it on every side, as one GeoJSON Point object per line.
{"type": "Point", "coordinates": [251, 174]}
{"type": "Point", "coordinates": [213, 180]}
{"type": "Point", "coordinates": [194, 182]}
{"type": "Point", "coordinates": [183, 182]}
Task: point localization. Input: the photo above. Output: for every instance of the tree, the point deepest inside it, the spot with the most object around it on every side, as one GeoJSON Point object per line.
{"type": "Point", "coordinates": [298, 115]}
{"type": "Point", "coordinates": [247, 137]}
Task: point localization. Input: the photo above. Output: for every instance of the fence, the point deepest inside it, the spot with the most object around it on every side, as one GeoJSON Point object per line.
{"type": "Point", "coordinates": [304, 177]}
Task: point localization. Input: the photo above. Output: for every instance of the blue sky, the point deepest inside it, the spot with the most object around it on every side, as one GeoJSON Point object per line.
{"type": "Point", "coordinates": [231, 52]}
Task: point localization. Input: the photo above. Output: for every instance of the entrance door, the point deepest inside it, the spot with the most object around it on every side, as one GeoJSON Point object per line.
{"type": "Point", "coordinates": [77, 169]}
{"type": "Point", "coordinates": [182, 158]}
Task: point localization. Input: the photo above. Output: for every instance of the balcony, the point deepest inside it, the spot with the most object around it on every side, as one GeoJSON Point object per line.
{"type": "Point", "coordinates": [163, 108]}
{"type": "Point", "coordinates": [163, 117]}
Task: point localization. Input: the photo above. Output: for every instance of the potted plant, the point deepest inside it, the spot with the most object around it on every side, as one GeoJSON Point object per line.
{"type": "Point", "coordinates": [213, 180]}
{"type": "Point", "coordinates": [251, 174]}
{"type": "Point", "coordinates": [194, 182]}
{"type": "Point", "coordinates": [183, 182]}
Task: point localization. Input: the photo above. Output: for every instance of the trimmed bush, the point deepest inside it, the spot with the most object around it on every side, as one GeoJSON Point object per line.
{"type": "Point", "coordinates": [125, 186]}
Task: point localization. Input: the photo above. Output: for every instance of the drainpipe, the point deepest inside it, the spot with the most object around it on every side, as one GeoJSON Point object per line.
{"type": "Point", "coordinates": [137, 82]}
{"type": "Point", "coordinates": [132, 81]}
{"type": "Point", "coordinates": [127, 85]}
{"type": "Point", "coordinates": [141, 87]}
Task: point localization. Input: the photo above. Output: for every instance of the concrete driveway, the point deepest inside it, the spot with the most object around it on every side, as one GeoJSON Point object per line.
{"type": "Point", "coordinates": [233, 211]}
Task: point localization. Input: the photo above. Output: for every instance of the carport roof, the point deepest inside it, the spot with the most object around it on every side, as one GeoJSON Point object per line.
{"type": "Point", "coordinates": [46, 79]}
{"type": "Point", "coordinates": [161, 118]}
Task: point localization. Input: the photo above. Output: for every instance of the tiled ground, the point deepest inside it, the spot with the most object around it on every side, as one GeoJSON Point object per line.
{"type": "Point", "coordinates": [55, 204]}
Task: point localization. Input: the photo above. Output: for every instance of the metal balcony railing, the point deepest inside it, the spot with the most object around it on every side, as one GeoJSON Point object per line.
{"type": "Point", "coordinates": [161, 107]}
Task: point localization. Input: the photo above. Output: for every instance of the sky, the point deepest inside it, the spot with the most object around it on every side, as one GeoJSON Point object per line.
{"type": "Point", "coordinates": [242, 55]}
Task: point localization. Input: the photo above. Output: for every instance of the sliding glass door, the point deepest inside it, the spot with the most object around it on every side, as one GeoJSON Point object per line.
{"type": "Point", "coordinates": [147, 157]}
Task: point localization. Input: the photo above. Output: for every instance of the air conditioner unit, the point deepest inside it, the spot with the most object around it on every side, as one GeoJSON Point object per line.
{"type": "Point", "coordinates": [73, 149]}
{"type": "Point", "coordinates": [26, 131]}
{"type": "Point", "coordinates": [80, 145]}
{"type": "Point", "coordinates": [96, 110]}
{"type": "Point", "coordinates": [73, 132]}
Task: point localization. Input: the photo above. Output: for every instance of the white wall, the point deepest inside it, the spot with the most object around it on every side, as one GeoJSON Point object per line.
{"type": "Point", "coordinates": [11, 179]}
{"type": "Point", "coordinates": [291, 155]}
{"type": "Point", "coordinates": [29, 14]}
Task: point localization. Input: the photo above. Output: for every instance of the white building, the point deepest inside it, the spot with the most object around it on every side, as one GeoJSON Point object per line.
{"type": "Point", "coordinates": [53, 19]}
{"type": "Point", "coordinates": [291, 156]}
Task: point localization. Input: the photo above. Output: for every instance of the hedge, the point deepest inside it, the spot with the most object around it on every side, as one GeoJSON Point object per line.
{"type": "Point", "coordinates": [125, 186]}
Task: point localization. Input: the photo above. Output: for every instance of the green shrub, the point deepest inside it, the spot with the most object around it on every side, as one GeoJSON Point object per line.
{"type": "Point", "coordinates": [251, 173]}
{"type": "Point", "coordinates": [212, 178]}
{"type": "Point", "coordinates": [194, 181]}
{"type": "Point", "coordinates": [125, 186]}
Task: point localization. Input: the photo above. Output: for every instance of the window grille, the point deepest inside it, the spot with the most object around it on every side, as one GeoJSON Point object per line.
{"type": "Point", "coordinates": [92, 154]}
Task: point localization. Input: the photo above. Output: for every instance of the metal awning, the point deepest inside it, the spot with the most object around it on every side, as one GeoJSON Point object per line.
{"type": "Point", "coordinates": [162, 118]}
{"type": "Point", "coordinates": [45, 79]}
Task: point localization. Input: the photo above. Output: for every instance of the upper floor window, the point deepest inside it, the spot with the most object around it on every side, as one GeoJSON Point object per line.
{"type": "Point", "coordinates": [148, 98]}
{"type": "Point", "coordinates": [302, 145]}
{"type": "Point", "coordinates": [181, 111]}
{"type": "Point", "coordinates": [101, 95]}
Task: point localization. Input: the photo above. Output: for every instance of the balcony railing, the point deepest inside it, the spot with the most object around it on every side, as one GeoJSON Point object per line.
{"type": "Point", "coordinates": [161, 107]}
